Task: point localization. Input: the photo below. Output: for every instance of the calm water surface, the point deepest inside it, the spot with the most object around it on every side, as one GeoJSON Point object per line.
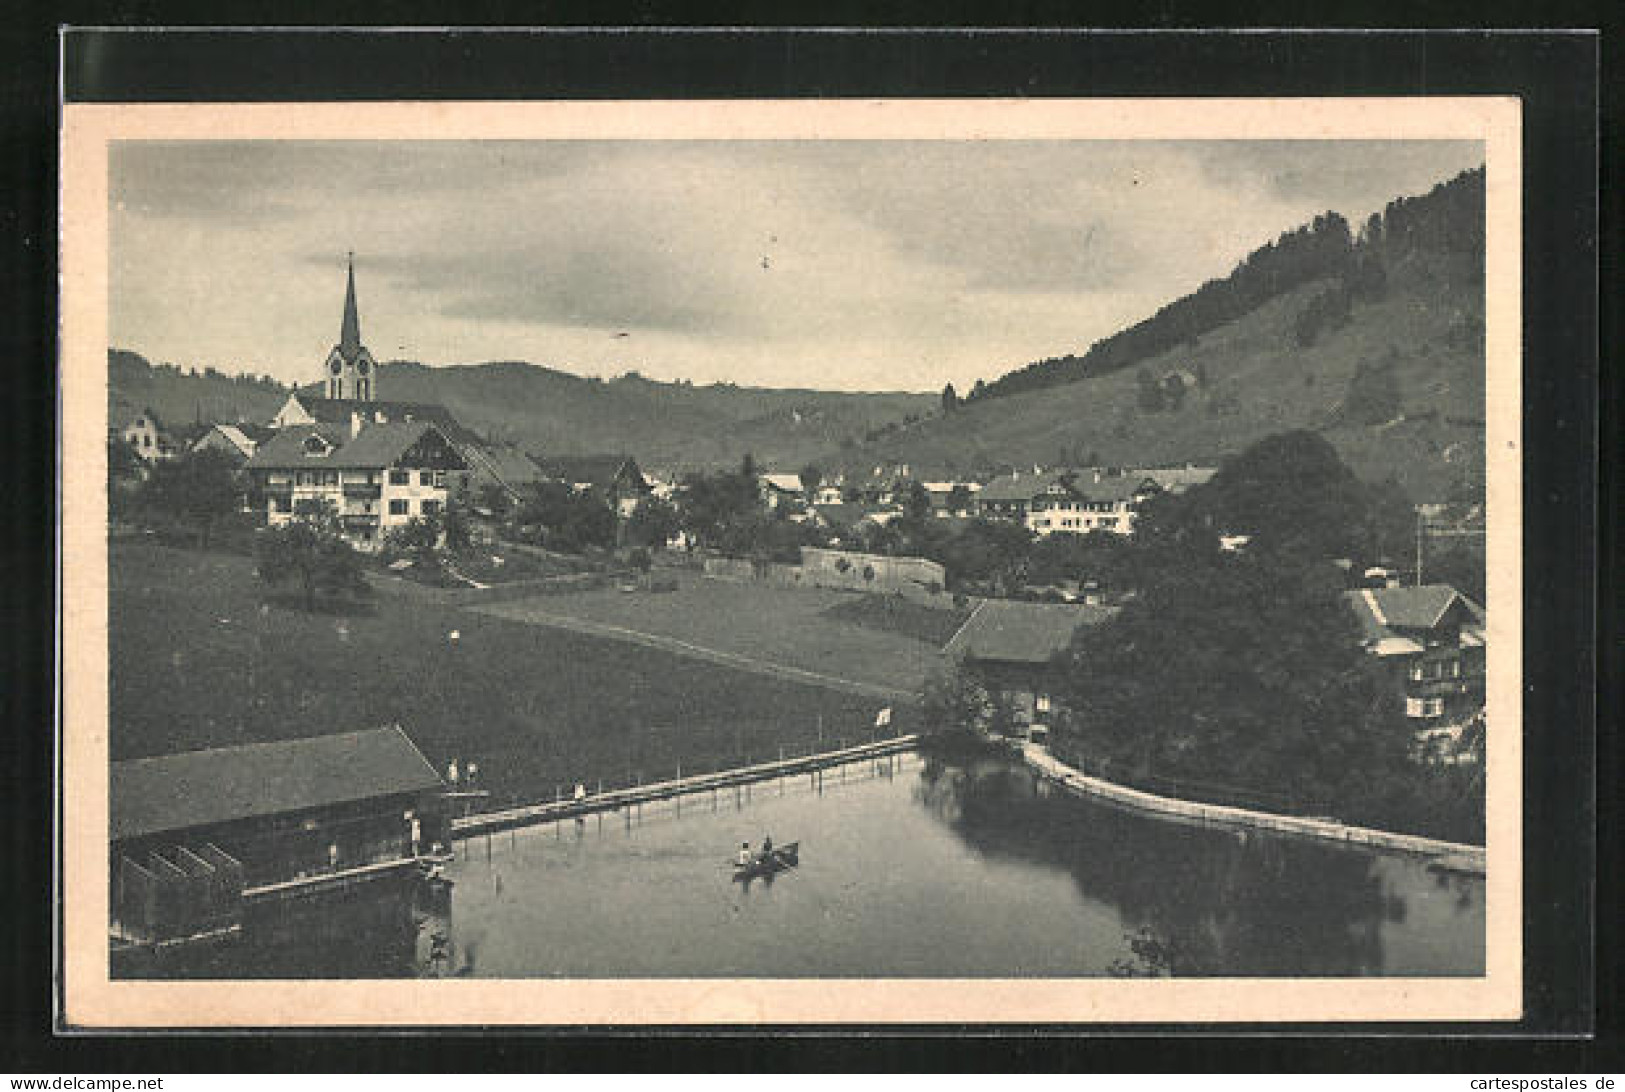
{"type": "Point", "coordinates": [921, 867]}
{"type": "Point", "coordinates": [911, 866]}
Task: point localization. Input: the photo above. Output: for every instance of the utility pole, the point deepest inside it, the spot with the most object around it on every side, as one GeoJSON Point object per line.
{"type": "Point", "coordinates": [1420, 524]}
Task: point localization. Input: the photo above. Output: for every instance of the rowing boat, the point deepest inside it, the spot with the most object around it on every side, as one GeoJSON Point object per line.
{"type": "Point", "coordinates": [782, 857]}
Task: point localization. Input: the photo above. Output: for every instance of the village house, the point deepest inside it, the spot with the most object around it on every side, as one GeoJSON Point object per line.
{"type": "Point", "coordinates": [1079, 501]}
{"type": "Point", "coordinates": [148, 437]}
{"type": "Point", "coordinates": [829, 493]}
{"type": "Point", "coordinates": [950, 499]}
{"type": "Point", "coordinates": [194, 836]}
{"type": "Point", "coordinates": [1432, 639]}
{"type": "Point", "coordinates": [237, 441]}
{"type": "Point", "coordinates": [782, 491]}
{"type": "Point", "coordinates": [615, 478]}
{"type": "Point", "coordinates": [1067, 501]}
{"type": "Point", "coordinates": [375, 477]}
{"type": "Point", "coordinates": [1010, 647]}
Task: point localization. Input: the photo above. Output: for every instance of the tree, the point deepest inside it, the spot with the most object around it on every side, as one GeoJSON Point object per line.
{"type": "Point", "coordinates": [310, 551]}
{"type": "Point", "coordinates": [916, 502]}
{"type": "Point", "coordinates": [950, 399]}
{"type": "Point", "coordinates": [652, 523]}
{"type": "Point", "coordinates": [197, 488]}
{"type": "Point", "coordinates": [710, 503]}
{"type": "Point", "coordinates": [124, 470]}
{"type": "Point", "coordinates": [1242, 674]}
{"type": "Point", "coordinates": [454, 525]}
{"type": "Point", "coordinates": [419, 539]}
{"type": "Point", "coordinates": [1290, 493]}
{"type": "Point", "coordinates": [986, 552]}
{"type": "Point", "coordinates": [954, 697]}
{"type": "Point", "coordinates": [494, 499]}
{"type": "Point", "coordinates": [960, 499]}
{"type": "Point", "coordinates": [811, 478]}
{"type": "Point", "coordinates": [563, 519]}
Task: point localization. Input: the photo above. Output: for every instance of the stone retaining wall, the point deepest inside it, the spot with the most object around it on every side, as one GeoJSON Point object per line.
{"type": "Point", "coordinates": [913, 578]}
{"type": "Point", "coordinates": [1464, 857]}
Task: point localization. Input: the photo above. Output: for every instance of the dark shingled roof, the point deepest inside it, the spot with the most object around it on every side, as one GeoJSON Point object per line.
{"type": "Point", "coordinates": [1011, 631]}
{"type": "Point", "coordinates": [598, 471]}
{"type": "Point", "coordinates": [337, 411]}
{"type": "Point", "coordinates": [1013, 487]}
{"type": "Point", "coordinates": [846, 514]}
{"type": "Point", "coordinates": [1382, 611]}
{"type": "Point", "coordinates": [203, 788]}
{"type": "Point", "coordinates": [375, 447]}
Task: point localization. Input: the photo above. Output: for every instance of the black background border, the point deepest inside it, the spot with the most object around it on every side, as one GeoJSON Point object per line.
{"type": "Point", "coordinates": [1555, 75]}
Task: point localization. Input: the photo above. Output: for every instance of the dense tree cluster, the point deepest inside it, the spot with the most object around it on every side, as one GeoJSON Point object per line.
{"type": "Point", "coordinates": [554, 515]}
{"type": "Point", "coordinates": [1243, 670]}
{"type": "Point", "coordinates": [197, 489]}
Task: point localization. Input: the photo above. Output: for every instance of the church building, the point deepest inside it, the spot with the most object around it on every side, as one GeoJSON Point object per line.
{"type": "Point", "coordinates": [351, 372]}
{"type": "Point", "coordinates": [378, 464]}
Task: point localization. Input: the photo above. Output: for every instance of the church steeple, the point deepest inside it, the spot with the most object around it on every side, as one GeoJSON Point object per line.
{"type": "Point", "coordinates": [350, 331]}
{"type": "Point", "coordinates": [350, 371]}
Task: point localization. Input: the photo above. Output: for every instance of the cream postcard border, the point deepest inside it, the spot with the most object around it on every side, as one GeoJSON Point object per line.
{"type": "Point", "coordinates": [90, 1000]}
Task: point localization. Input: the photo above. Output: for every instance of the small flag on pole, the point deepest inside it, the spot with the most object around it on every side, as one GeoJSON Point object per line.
{"type": "Point", "coordinates": [883, 718]}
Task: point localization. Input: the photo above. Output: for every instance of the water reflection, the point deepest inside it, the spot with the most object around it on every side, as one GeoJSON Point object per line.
{"type": "Point", "coordinates": [375, 931]}
{"type": "Point", "coordinates": [1198, 901]}
{"type": "Point", "coordinates": [940, 865]}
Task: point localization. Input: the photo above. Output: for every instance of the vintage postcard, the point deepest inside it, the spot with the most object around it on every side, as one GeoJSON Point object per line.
{"type": "Point", "coordinates": [790, 562]}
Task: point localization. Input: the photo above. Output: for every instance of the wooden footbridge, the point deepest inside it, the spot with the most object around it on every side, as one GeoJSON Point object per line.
{"type": "Point", "coordinates": [469, 826]}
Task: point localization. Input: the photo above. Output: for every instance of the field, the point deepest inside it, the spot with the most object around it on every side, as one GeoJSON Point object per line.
{"type": "Point", "coordinates": [197, 659]}
{"type": "Point", "coordinates": [798, 628]}
{"type": "Point", "coordinates": [894, 614]}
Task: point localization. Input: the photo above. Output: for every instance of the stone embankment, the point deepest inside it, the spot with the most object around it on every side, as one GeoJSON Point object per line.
{"type": "Point", "coordinates": [1454, 856]}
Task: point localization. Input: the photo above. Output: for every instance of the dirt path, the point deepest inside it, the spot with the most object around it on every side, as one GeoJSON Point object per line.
{"type": "Point", "coordinates": [535, 616]}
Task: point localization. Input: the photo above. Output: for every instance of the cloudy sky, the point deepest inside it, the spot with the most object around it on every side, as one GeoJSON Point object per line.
{"type": "Point", "coordinates": [843, 264]}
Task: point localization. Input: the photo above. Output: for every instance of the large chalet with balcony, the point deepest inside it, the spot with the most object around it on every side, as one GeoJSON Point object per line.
{"type": "Point", "coordinates": [1432, 638]}
{"type": "Point", "coordinates": [1079, 501]}
{"type": "Point", "coordinates": [374, 477]}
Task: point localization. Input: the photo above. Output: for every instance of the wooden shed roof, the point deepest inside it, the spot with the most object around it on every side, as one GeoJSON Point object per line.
{"type": "Point", "coordinates": [203, 788]}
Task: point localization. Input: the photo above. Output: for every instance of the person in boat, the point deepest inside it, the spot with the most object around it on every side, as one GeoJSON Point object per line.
{"type": "Point", "coordinates": [744, 860]}
{"type": "Point", "coordinates": [767, 847]}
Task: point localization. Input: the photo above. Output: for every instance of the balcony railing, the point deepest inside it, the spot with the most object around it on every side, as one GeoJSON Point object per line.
{"type": "Point", "coordinates": [362, 490]}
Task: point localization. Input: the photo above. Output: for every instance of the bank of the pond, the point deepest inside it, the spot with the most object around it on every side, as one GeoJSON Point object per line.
{"type": "Point", "coordinates": [1459, 856]}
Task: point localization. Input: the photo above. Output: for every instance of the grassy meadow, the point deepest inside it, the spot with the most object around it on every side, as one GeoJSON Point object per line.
{"type": "Point", "coordinates": [199, 658]}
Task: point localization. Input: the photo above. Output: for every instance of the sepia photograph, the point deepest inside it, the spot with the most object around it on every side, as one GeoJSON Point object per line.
{"type": "Point", "coordinates": [749, 562]}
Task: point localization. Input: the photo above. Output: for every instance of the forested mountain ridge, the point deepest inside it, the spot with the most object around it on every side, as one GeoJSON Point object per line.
{"type": "Point", "coordinates": [1447, 220]}
{"type": "Point", "coordinates": [1384, 357]}
{"type": "Point", "coordinates": [676, 425]}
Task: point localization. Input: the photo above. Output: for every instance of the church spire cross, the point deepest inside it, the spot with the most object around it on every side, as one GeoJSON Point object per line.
{"type": "Point", "coordinates": [350, 331]}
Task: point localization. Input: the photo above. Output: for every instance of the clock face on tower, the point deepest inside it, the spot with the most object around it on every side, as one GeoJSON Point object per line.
{"type": "Point", "coordinates": [337, 367]}
{"type": "Point", "coordinates": [362, 367]}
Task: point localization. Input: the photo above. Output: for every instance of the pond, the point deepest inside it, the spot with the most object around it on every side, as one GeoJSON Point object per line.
{"type": "Point", "coordinates": [922, 866]}
{"type": "Point", "coordinates": [911, 866]}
